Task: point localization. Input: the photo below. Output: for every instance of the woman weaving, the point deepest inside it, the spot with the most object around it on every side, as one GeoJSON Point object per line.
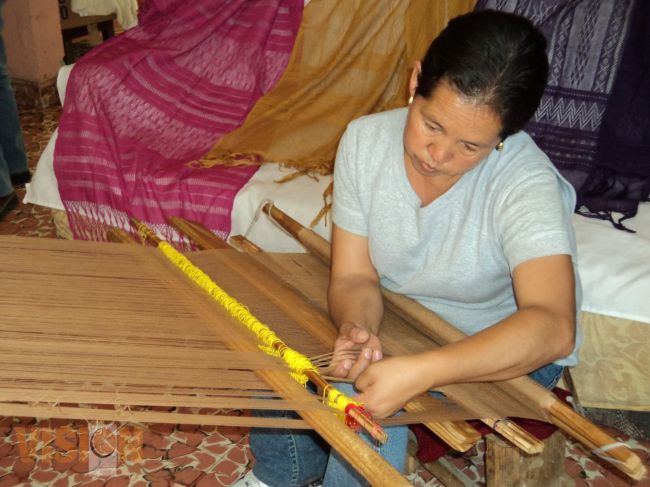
{"type": "Point", "coordinates": [449, 202]}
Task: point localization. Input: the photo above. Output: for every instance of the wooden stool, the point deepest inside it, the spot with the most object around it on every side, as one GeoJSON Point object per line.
{"type": "Point", "coordinates": [505, 465]}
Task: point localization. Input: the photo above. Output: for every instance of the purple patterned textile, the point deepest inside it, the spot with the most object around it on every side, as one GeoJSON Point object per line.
{"type": "Point", "coordinates": [587, 40]}
{"type": "Point", "coordinates": [144, 104]}
{"type": "Point", "coordinates": [621, 175]}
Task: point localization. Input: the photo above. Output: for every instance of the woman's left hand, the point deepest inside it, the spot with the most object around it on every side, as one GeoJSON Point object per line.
{"type": "Point", "coordinates": [385, 386]}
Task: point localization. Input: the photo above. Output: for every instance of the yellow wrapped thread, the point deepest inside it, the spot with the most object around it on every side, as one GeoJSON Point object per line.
{"type": "Point", "coordinates": [272, 345]}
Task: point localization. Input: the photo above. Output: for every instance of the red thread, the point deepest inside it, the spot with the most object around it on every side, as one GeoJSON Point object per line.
{"type": "Point", "coordinates": [350, 421]}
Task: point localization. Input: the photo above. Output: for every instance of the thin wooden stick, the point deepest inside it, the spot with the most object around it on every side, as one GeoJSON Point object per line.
{"type": "Point", "coordinates": [515, 434]}
{"type": "Point", "coordinates": [324, 362]}
{"type": "Point", "coordinates": [117, 235]}
{"type": "Point", "coordinates": [201, 235]}
{"type": "Point", "coordinates": [331, 378]}
{"type": "Point", "coordinates": [460, 435]}
{"type": "Point", "coordinates": [205, 239]}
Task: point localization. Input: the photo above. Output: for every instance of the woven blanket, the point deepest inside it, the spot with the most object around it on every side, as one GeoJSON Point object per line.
{"type": "Point", "coordinates": [144, 104]}
{"type": "Point", "coordinates": [587, 40]}
{"type": "Point", "coordinates": [621, 174]}
{"type": "Point", "coordinates": [352, 58]}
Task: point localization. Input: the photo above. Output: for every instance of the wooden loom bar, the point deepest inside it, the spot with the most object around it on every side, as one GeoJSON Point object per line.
{"type": "Point", "coordinates": [373, 428]}
{"type": "Point", "coordinates": [359, 454]}
{"type": "Point", "coordinates": [201, 235]}
{"type": "Point", "coordinates": [437, 329]}
{"type": "Point", "coordinates": [117, 235]}
{"type": "Point", "coordinates": [459, 435]}
{"type": "Point", "coordinates": [205, 239]}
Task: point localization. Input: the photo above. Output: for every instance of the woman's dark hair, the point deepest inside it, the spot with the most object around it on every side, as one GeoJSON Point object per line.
{"type": "Point", "coordinates": [495, 58]}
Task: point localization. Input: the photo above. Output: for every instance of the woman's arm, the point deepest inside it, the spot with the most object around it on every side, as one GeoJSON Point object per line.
{"type": "Point", "coordinates": [355, 303]}
{"type": "Point", "coordinates": [540, 332]}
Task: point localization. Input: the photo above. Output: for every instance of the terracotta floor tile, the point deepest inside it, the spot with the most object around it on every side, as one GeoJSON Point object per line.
{"type": "Point", "coordinates": [190, 438]}
{"type": "Point", "coordinates": [187, 476]}
{"type": "Point", "coordinates": [6, 449]}
{"type": "Point", "coordinates": [157, 441]}
{"type": "Point", "coordinates": [179, 450]}
{"type": "Point", "coordinates": [9, 480]}
{"type": "Point", "coordinates": [43, 477]}
{"type": "Point", "coordinates": [121, 481]}
{"type": "Point", "coordinates": [153, 453]}
{"type": "Point", "coordinates": [160, 483]}
{"type": "Point", "coordinates": [159, 475]}
{"type": "Point", "coordinates": [23, 466]}
{"type": "Point", "coordinates": [209, 480]}
{"type": "Point", "coordinates": [162, 429]}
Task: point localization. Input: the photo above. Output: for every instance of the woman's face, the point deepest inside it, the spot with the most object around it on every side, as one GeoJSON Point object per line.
{"type": "Point", "coordinates": [448, 134]}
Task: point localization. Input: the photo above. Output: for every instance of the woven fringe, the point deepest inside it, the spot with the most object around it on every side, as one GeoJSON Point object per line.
{"type": "Point", "coordinates": [92, 222]}
{"type": "Point", "coordinates": [319, 166]}
{"type": "Point", "coordinates": [312, 168]}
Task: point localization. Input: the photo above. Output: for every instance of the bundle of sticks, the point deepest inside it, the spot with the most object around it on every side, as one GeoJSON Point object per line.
{"type": "Point", "coordinates": [118, 325]}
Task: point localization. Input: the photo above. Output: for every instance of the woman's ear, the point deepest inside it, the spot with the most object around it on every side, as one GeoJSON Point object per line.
{"type": "Point", "coordinates": [413, 82]}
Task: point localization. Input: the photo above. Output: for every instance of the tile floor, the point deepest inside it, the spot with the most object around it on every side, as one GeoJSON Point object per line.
{"type": "Point", "coordinates": [57, 453]}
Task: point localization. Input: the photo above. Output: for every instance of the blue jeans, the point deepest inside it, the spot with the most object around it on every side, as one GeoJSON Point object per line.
{"type": "Point", "coordinates": [13, 159]}
{"type": "Point", "coordinates": [294, 458]}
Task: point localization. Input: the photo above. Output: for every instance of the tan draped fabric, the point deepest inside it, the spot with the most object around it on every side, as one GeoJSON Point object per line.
{"type": "Point", "coordinates": [352, 57]}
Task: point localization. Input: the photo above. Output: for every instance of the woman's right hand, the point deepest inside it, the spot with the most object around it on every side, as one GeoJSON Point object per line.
{"type": "Point", "coordinates": [354, 350]}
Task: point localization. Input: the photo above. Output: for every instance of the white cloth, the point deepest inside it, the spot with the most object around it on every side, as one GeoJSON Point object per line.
{"type": "Point", "coordinates": [126, 10]}
{"type": "Point", "coordinates": [43, 189]}
{"type": "Point", "coordinates": [301, 198]}
{"type": "Point", "coordinates": [615, 266]}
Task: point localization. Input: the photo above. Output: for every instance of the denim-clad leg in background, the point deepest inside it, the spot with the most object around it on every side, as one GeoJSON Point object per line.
{"type": "Point", "coordinates": [339, 473]}
{"type": "Point", "coordinates": [13, 159]}
{"type": "Point", "coordinates": [290, 458]}
{"type": "Point", "coordinates": [296, 458]}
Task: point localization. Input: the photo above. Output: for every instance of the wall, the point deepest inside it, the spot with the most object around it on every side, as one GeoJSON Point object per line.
{"type": "Point", "coordinates": [32, 36]}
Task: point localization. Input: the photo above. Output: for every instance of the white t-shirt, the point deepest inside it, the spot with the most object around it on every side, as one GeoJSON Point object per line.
{"type": "Point", "coordinates": [456, 255]}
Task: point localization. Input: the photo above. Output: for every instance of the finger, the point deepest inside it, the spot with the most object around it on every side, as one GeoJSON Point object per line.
{"type": "Point", "coordinates": [342, 368]}
{"type": "Point", "coordinates": [343, 344]}
{"type": "Point", "coordinates": [377, 355]}
{"type": "Point", "coordinates": [362, 363]}
{"type": "Point", "coordinates": [341, 355]}
{"type": "Point", "coordinates": [345, 348]}
{"type": "Point", "coordinates": [377, 411]}
{"type": "Point", "coordinates": [359, 335]}
{"type": "Point", "coordinates": [365, 398]}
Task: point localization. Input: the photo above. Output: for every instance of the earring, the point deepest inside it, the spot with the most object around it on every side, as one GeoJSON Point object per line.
{"type": "Point", "coordinates": [499, 146]}
{"type": "Point", "coordinates": [410, 99]}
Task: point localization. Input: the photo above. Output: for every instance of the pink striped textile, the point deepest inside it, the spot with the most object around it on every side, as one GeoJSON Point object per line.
{"type": "Point", "coordinates": [142, 105]}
